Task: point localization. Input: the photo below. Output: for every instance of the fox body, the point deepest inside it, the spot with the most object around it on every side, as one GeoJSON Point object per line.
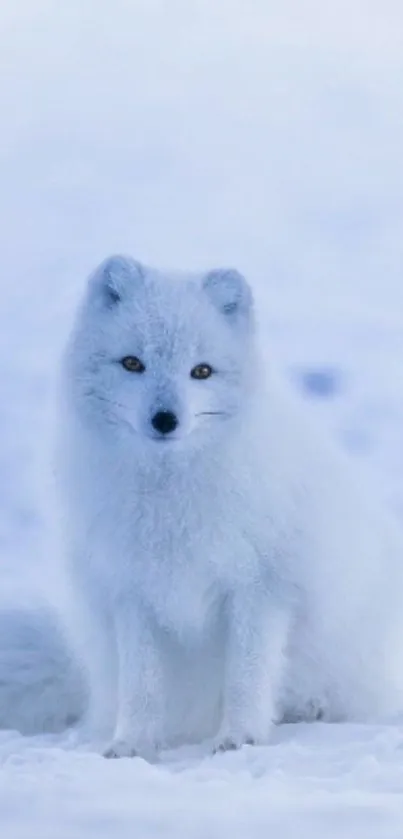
{"type": "Point", "coordinates": [226, 570]}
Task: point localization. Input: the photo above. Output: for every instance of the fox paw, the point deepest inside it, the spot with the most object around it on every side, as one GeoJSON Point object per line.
{"type": "Point", "coordinates": [231, 744]}
{"type": "Point", "coordinates": [120, 748]}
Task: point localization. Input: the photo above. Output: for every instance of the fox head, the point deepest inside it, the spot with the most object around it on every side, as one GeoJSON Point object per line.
{"type": "Point", "coordinates": [160, 358]}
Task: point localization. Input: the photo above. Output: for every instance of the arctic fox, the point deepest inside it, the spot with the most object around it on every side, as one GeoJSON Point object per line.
{"type": "Point", "coordinates": [225, 571]}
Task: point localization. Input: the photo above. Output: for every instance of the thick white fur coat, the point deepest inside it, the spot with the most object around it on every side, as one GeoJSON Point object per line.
{"type": "Point", "coordinates": [226, 575]}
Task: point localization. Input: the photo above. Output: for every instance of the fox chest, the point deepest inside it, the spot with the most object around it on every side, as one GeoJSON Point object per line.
{"type": "Point", "coordinates": [183, 579]}
{"type": "Point", "coordinates": [181, 562]}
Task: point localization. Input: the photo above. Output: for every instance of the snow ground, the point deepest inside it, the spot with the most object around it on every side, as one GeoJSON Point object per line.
{"type": "Point", "coordinates": [195, 134]}
{"type": "Point", "coordinates": [313, 781]}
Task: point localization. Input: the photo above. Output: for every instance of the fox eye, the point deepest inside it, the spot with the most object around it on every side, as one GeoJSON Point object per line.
{"type": "Point", "coordinates": [133, 364]}
{"type": "Point", "coordinates": [201, 371]}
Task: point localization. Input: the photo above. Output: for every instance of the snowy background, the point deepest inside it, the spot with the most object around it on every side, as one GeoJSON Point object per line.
{"type": "Point", "coordinates": [196, 133]}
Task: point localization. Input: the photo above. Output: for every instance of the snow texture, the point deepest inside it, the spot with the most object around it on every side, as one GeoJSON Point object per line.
{"type": "Point", "coordinates": [262, 135]}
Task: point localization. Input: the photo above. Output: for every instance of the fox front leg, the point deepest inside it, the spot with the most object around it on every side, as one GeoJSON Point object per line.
{"type": "Point", "coordinates": [257, 637]}
{"type": "Point", "coordinates": [140, 690]}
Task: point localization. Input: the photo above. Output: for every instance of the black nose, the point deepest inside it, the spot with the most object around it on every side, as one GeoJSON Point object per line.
{"type": "Point", "coordinates": [164, 422]}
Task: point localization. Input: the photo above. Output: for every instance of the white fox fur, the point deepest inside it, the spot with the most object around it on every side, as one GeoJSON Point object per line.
{"type": "Point", "coordinates": [230, 573]}
{"type": "Point", "coordinates": [41, 687]}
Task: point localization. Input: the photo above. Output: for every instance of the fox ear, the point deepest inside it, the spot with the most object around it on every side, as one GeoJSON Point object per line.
{"type": "Point", "coordinates": [112, 278]}
{"type": "Point", "coordinates": [229, 292]}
